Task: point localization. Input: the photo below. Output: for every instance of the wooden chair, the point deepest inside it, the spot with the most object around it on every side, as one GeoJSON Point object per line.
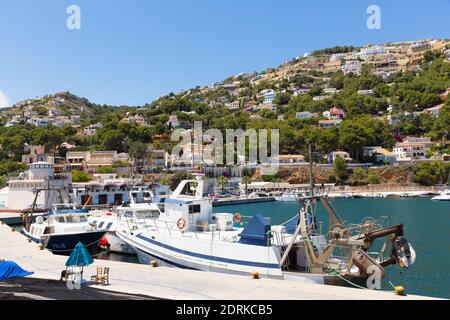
{"type": "Point", "coordinates": [102, 276]}
{"type": "Point", "coordinates": [106, 276]}
{"type": "Point", "coordinates": [97, 278]}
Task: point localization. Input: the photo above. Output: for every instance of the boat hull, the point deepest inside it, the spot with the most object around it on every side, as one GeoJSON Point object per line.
{"type": "Point", "coordinates": [116, 245]}
{"type": "Point", "coordinates": [146, 257]}
{"type": "Point", "coordinates": [441, 198]}
{"type": "Point", "coordinates": [148, 252]}
{"type": "Point", "coordinates": [63, 244]}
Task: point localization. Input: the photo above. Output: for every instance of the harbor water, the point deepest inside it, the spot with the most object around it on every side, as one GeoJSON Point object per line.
{"type": "Point", "coordinates": [426, 225]}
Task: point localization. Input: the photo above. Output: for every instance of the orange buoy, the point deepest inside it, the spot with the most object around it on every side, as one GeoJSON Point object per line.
{"type": "Point", "coordinates": [181, 223]}
{"type": "Point", "coordinates": [104, 242]}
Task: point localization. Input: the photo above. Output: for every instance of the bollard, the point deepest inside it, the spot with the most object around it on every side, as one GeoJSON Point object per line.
{"type": "Point", "coordinates": [400, 290]}
{"type": "Point", "coordinates": [29, 239]}
{"type": "Point", "coordinates": [255, 275]}
{"type": "Point", "coordinates": [40, 246]}
{"type": "Point", "coordinates": [154, 263]}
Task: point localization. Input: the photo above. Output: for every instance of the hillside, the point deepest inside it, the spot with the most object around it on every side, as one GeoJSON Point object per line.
{"type": "Point", "coordinates": [343, 100]}
{"type": "Point", "coordinates": [65, 103]}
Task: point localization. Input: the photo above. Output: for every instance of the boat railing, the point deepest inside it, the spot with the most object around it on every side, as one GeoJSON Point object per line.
{"type": "Point", "coordinates": [171, 227]}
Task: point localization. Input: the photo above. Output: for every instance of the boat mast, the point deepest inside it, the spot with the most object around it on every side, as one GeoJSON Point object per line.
{"type": "Point", "coordinates": [28, 214]}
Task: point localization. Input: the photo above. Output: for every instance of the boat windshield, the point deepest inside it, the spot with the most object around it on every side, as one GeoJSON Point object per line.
{"type": "Point", "coordinates": [147, 214]}
{"type": "Point", "coordinates": [69, 219]}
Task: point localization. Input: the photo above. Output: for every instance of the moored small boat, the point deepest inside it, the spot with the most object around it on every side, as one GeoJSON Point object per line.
{"type": "Point", "coordinates": [443, 196]}
{"type": "Point", "coordinates": [63, 230]}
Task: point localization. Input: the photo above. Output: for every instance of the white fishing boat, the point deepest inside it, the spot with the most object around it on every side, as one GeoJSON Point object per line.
{"type": "Point", "coordinates": [287, 197]}
{"type": "Point", "coordinates": [63, 229]}
{"type": "Point", "coordinates": [185, 233]}
{"type": "Point", "coordinates": [443, 196]}
{"type": "Point", "coordinates": [132, 212]}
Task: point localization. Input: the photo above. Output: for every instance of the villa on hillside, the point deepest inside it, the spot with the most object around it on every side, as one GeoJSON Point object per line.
{"type": "Point", "coordinates": [101, 159]}
{"type": "Point", "coordinates": [92, 129]}
{"type": "Point", "coordinates": [329, 123]}
{"type": "Point", "coordinates": [332, 156]}
{"type": "Point", "coordinates": [380, 154]}
{"type": "Point", "coordinates": [290, 159]}
{"type": "Point", "coordinates": [412, 148]}
{"type": "Point", "coordinates": [334, 114]}
{"type": "Point", "coordinates": [435, 111]}
{"type": "Point", "coordinates": [76, 160]}
{"type": "Point", "coordinates": [352, 66]}
{"type": "Point", "coordinates": [37, 154]}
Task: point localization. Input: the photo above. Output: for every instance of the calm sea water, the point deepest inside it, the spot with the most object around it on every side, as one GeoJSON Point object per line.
{"type": "Point", "coordinates": [426, 225]}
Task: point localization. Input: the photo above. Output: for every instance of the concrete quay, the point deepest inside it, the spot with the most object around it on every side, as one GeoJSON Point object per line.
{"type": "Point", "coordinates": [171, 283]}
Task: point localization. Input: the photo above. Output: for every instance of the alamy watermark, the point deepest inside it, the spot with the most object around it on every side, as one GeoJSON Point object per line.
{"type": "Point", "coordinates": [374, 19]}
{"type": "Point", "coordinates": [196, 147]}
{"type": "Point", "coordinates": [73, 21]}
{"type": "Point", "coordinates": [374, 280]}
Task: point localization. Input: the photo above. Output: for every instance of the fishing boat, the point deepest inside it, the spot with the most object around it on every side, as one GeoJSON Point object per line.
{"type": "Point", "coordinates": [443, 196]}
{"type": "Point", "coordinates": [63, 229]}
{"type": "Point", "coordinates": [133, 212]}
{"type": "Point", "coordinates": [186, 233]}
{"type": "Point", "coordinates": [287, 197]}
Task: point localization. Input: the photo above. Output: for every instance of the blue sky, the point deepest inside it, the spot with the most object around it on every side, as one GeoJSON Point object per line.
{"type": "Point", "coordinates": [130, 52]}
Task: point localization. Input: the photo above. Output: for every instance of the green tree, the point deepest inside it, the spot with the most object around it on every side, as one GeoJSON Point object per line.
{"type": "Point", "coordinates": [246, 180]}
{"type": "Point", "coordinates": [105, 170]}
{"type": "Point", "coordinates": [222, 180]}
{"type": "Point", "coordinates": [442, 124]}
{"type": "Point", "coordinates": [340, 170]}
{"type": "Point", "coordinates": [177, 177]}
{"type": "Point", "coordinates": [80, 176]}
{"type": "Point", "coordinates": [352, 137]}
{"type": "Point", "coordinates": [138, 152]}
{"type": "Point", "coordinates": [359, 176]}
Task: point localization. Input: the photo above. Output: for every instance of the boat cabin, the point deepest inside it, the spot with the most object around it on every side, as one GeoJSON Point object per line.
{"type": "Point", "coordinates": [59, 224]}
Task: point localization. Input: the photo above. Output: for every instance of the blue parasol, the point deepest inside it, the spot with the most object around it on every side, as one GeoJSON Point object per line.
{"type": "Point", "coordinates": [80, 257]}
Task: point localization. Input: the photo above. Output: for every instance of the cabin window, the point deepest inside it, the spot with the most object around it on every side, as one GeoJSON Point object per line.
{"type": "Point", "coordinates": [60, 219]}
{"type": "Point", "coordinates": [101, 224]}
{"type": "Point", "coordinates": [70, 219]}
{"type": "Point", "coordinates": [83, 219]}
{"type": "Point", "coordinates": [109, 226]}
{"type": "Point", "coordinates": [161, 207]}
{"type": "Point", "coordinates": [128, 214]}
{"type": "Point", "coordinates": [195, 208]}
{"type": "Point", "coordinates": [150, 214]}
